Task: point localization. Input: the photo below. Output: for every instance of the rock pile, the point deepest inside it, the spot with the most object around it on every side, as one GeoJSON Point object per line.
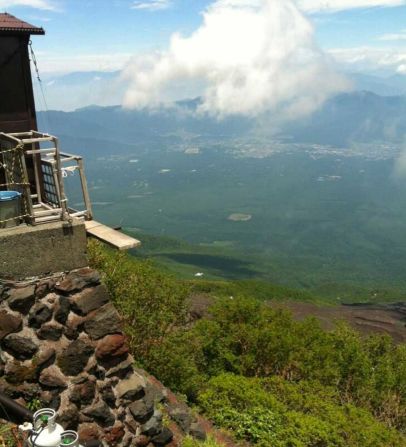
{"type": "Point", "coordinates": [62, 345]}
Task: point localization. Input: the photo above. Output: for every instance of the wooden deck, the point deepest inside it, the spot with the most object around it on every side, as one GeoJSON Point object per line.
{"type": "Point", "coordinates": [109, 236]}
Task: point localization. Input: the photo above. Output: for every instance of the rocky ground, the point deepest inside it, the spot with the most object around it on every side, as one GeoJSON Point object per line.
{"type": "Point", "coordinates": [387, 319]}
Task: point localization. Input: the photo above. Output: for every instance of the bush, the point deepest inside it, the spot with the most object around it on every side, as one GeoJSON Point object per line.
{"type": "Point", "coordinates": [250, 339]}
{"type": "Point", "coordinates": [271, 380]}
{"type": "Point", "coordinates": [152, 303]}
{"type": "Point", "coordinates": [274, 412]}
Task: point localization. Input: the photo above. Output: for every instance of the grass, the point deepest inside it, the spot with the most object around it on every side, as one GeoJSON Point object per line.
{"type": "Point", "coordinates": [188, 441]}
{"type": "Point", "coordinates": [10, 436]}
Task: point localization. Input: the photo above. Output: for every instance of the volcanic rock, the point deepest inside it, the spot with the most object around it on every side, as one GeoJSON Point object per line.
{"type": "Point", "coordinates": [39, 315]}
{"type": "Point", "coordinates": [22, 348]}
{"type": "Point", "coordinates": [102, 322]}
{"type": "Point", "coordinates": [132, 388]}
{"type": "Point", "coordinates": [9, 323]}
{"type": "Point", "coordinates": [21, 300]}
{"type": "Point", "coordinates": [89, 299]}
{"type": "Point", "coordinates": [73, 359]}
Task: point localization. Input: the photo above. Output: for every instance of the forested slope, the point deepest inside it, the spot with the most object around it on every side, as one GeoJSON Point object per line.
{"type": "Point", "coordinates": [270, 380]}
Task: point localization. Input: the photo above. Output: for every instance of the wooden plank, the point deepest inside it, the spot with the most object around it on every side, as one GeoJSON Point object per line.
{"type": "Point", "coordinates": [36, 140]}
{"type": "Point", "coordinates": [109, 236]}
{"type": "Point", "coordinates": [50, 212]}
{"type": "Point", "coordinates": [38, 220]}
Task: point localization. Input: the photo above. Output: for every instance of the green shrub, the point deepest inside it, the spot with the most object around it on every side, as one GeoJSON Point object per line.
{"type": "Point", "coordinates": [274, 412]}
{"type": "Point", "coordinates": [151, 303]}
{"type": "Point", "coordinates": [273, 381]}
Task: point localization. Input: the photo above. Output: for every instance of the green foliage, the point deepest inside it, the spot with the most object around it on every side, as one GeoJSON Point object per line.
{"type": "Point", "coordinates": [261, 412]}
{"type": "Point", "coordinates": [270, 379]}
{"type": "Point", "coordinates": [250, 339]}
{"type": "Point", "coordinates": [34, 404]}
{"type": "Point", "coordinates": [9, 436]}
{"type": "Point", "coordinates": [151, 303]}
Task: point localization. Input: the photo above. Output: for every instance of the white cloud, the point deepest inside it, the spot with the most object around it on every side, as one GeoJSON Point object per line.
{"type": "Point", "coordinates": [37, 4]}
{"type": "Point", "coordinates": [61, 63]}
{"type": "Point", "coordinates": [251, 56]}
{"type": "Point", "coordinates": [393, 36]}
{"type": "Point", "coordinates": [152, 5]}
{"type": "Point", "coordinates": [371, 58]}
{"type": "Point", "coordinates": [314, 6]}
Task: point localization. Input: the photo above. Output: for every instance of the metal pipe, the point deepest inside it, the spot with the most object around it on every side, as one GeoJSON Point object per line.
{"type": "Point", "coordinates": [14, 412]}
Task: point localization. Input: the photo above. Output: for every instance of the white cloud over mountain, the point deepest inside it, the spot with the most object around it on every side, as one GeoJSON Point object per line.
{"type": "Point", "coordinates": [250, 56]}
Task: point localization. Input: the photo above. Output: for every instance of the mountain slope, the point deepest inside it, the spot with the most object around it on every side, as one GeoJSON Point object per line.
{"type": "Point", "coordinates": [347, 118]}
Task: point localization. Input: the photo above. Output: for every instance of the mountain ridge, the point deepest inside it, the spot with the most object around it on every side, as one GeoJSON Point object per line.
{"type": "Point", "coordinates": [359, 116]}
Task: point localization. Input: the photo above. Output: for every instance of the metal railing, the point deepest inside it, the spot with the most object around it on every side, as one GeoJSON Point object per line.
{"type": "Point", "coordinates": [37, 172]}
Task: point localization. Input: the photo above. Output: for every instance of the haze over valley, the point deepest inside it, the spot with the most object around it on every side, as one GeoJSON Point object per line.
{"type": "Point", "coordinates": [318, 203]}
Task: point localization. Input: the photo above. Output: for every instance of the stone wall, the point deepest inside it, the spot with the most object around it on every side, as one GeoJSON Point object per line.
{"type": "Point", "coordinates": [62, 346]}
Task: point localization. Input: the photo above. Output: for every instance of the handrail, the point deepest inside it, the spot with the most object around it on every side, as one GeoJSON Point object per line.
{"type": "Point", "coordinates": [49, 163]}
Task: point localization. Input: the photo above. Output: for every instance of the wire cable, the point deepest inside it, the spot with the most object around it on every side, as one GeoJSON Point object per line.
{"type": "Point", "coordinates": [35, 63]}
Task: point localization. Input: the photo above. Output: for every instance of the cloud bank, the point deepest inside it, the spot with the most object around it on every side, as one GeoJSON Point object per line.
{"type": "Point", "coordinates": [251, 57]}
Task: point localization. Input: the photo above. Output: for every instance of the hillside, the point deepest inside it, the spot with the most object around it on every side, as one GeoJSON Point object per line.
{"type": "Point", "coordinates": [266, 378]}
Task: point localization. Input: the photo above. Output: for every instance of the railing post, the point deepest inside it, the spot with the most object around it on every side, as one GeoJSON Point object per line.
{"type": "Point", "coordinates": [84, 189]}
{"type": "Point", "coordinates": [37, 162]}
{"type": "Point", "coordinates": [64, 205]}
{"type": "Point", "coordinates": [27, 189]}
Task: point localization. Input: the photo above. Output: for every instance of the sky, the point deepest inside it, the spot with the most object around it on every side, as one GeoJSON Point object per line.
{"type": "Point", "coordinates": [220, 47]}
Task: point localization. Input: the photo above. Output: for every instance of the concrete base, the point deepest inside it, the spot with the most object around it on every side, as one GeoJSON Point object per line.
{"type": "Point", "coordinates": [27, 251]}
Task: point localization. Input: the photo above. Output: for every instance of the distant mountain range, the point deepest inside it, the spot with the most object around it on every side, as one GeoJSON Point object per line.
{"type": "Point", "coordinates": [354, 117]}
{"type": "Point", "coordinates": [385, 86]}
{"type": "Point", "coordinates": [74, 90]}
{"type": "Point", "coordinates": [345, 119]}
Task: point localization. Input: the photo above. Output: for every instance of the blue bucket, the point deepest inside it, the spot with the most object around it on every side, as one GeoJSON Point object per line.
{"type": "Point", "coordinates": [7, 196]}
{"type": "Point", "coordinates": [10, 209]}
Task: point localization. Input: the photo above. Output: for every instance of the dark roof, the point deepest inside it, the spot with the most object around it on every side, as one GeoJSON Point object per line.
{"type": "Point", "coordinates": [11, 25]}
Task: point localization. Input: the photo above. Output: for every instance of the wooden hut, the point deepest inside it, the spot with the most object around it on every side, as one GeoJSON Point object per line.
{"type": "Point", "coordinates": [17, 107]}
{"type": "Point", "coordinates": [40, 232]}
